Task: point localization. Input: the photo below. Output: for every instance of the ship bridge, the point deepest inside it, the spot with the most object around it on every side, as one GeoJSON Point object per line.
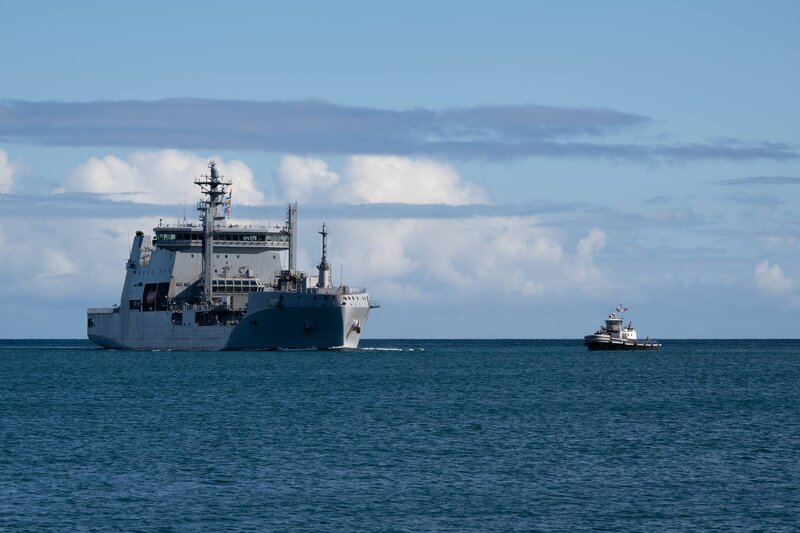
{"type": "Point", "coordinates": [178, 238]}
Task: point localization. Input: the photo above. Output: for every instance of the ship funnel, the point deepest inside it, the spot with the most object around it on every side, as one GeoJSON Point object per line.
{"type": "Point", "coordinates": [291, 224]}
{"type": "Point", "coordinates": [136, 250]}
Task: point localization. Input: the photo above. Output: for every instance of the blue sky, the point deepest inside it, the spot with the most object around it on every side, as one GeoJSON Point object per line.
{"type": "Point", "coordinates": [488, 170]}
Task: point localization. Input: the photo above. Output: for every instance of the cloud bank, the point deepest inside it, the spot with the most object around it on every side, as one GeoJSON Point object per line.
{"type": "Point", "coordinates": [166, 178]}
{"type": "Point", "coordinates": [163, 177]}
{"type": "Point", "coordinates": [411, 259]}
{"type": "Point", "coordinates": [376, 179]}
{"type": "Point", "coordinates": [316, 127]}
{"type": "Point", "coordinates": [761, 180]}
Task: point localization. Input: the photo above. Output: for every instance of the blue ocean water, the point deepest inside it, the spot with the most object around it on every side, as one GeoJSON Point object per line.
{"type": "Point", "coordinates": [402, 436]}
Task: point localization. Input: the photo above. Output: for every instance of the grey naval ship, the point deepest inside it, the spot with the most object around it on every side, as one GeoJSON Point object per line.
{"type": "Point", "coordinates": [613, 336]}
{"type": "Point", "coordinates": [219, 286]}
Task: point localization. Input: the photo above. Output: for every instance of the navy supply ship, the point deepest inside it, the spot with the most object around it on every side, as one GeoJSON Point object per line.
{"type": "Point", "coordinates": [613, 336]}
{"type": "Point", "coordinates": [218, 286]}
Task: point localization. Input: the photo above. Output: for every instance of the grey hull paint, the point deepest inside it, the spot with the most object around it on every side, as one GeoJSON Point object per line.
{"type": "Point", "coordinates": [273, 328]}
{"type": "Point", "coordinates": [300, 327]}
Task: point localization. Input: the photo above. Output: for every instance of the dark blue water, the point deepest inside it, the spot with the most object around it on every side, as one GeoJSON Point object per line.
{"type": "Point", "coordinates": [430, 435]}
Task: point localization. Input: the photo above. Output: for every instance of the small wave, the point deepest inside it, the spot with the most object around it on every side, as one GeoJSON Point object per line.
{"type": "Point", "coordinates": [46, 347]}
{"type": "Point", "coordinates": [375, 349]}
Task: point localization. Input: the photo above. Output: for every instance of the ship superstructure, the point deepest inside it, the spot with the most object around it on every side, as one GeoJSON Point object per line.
{"type": "Point", "coordinates": [217, 285]}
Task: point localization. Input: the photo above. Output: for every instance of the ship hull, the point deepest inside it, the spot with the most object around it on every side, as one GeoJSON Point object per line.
{"type": "Point", "coordinates": [320, 327]}
{"type": "Point", "coordinates": [295, 323]}
{"type": "Point", "coordinates": [593, 343]}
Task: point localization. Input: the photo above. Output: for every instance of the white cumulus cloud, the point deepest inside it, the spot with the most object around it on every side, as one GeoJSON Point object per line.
{"type": "Point", "coordinates": [588, 247]}
{"type": "Point", "coordinates": [56, 263]}
{"type": "Point", "coordinates": [162, 177]}
{"type": "Point", "coordinates": [377, 179]}
{"type": "Point", "coordinates": [305, 179]}
{"type": "Point", "coordinates": [500, 255]}
{"type": "Point", "coordinates": [83, 258]}
{"type": "Point", "coordinates": [771, 278]}
{"type": "Point", "coordinates": [8, 171]}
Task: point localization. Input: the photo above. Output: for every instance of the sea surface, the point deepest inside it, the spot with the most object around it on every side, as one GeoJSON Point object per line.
{"type": "Point", "coordinates": [402, 435]}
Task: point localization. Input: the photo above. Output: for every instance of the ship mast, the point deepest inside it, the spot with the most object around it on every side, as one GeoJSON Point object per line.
{"type": "Point", "coordinates": [214, 187]}
{"type": "Point", "coordinates": [324, 268]}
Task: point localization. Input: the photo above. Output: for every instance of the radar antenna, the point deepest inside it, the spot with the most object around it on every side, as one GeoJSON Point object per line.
{"type": "Point", "coordinates": [213, 186]}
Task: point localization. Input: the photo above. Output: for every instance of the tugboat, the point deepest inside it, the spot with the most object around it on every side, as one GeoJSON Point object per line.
{"type": "Point", "coordinates": [613, 336]}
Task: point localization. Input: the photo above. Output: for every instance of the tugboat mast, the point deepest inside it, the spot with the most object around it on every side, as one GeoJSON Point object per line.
{"type": "Point", "coordinates": [214, 186]}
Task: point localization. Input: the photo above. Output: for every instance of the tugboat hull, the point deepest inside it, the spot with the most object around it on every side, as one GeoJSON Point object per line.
{"type": "Point", "coordinates": [613, 346]}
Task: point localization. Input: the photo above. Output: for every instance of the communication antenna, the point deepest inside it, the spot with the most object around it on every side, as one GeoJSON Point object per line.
{"type": "Point", "coordinates": [185, 188]}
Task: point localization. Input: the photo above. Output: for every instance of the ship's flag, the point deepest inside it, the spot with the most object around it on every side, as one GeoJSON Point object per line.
{"type": "Point", "coordinates": [228, 202]}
